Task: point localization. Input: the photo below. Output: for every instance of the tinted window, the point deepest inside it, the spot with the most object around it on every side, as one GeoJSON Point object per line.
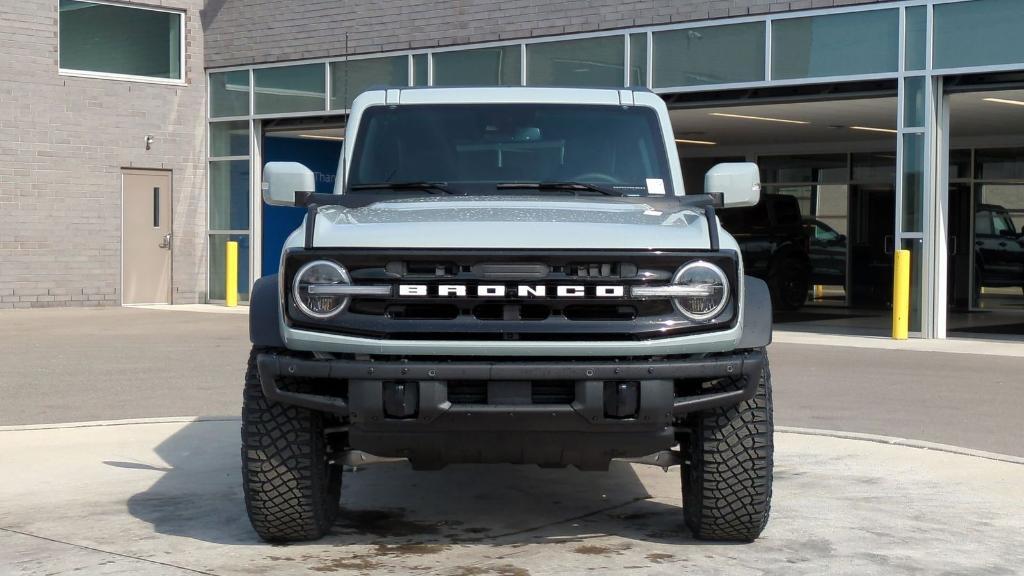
{"type": "Point", "coordinates": [983, 222]}
{"type": "Point", "coordinates": [120, 40]}
{"type": "Point", "coordinates": [474, 146]}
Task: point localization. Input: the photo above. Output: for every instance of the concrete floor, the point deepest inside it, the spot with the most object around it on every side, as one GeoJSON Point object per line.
{"type": "Point", "coordinates": [164, 498]}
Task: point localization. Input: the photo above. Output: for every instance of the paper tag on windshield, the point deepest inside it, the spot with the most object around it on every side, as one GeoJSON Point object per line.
{"type": "Point", "coordinates": [655, 187]}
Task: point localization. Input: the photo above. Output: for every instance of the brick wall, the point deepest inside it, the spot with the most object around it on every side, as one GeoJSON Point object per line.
{"type": "Point", "coordinates": [256, 31]}
{"type": "Point", "coordinates": [63, 143]}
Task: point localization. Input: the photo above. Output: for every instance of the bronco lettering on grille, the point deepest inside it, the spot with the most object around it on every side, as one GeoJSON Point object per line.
{"type": "Point", "coordinates": [517, 291]}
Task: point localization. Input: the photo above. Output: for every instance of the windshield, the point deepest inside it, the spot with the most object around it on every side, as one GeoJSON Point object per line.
{"type": "Point", "coordinates": [474, 148]}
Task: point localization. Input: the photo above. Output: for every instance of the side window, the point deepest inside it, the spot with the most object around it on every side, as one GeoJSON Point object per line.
{"type": "Point", "coordinates": [1001, 223]}
{"type": "Point", "coordinates": [983, 223]}
{"type": "Point", "coordinates": [108, 39]}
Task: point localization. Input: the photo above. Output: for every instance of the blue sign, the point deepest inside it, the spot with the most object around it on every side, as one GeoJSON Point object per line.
{"type": "Point", "coordinates": [320, 156]}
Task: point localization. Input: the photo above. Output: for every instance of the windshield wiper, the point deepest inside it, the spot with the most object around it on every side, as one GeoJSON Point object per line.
{"type": "Point", "coordinates": [570, 186]}
{"type": "Point", "coordinates": [441, 187]}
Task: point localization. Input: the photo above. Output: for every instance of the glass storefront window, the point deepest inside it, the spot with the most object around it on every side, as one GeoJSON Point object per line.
{"type": "Point", "coordinates": [959, 164]}
{"type": "Point", "coordinates": [497, 66]}
{"type": "Point", "coordinates": [585, 62]}
{"type": "Point", "coordinates": [229, 195]}
{"type": "Point", "coordinates": [638, 59]}
{"type": "Point", "coordinates": [836, 45]}
{"type": "Point", "coordinates": [916, 47]}
{"type": "Point", "coordinates": [998, 245]}
{"type": "Point", "coordinates": [874, 167]}
{"type": "Point", "coordinates": [420, 70]}
{"type": "Point", "coordinates": [218, 265]}
{"type": "Point", "coordinates": [284, 89]}
{"type": "Point", "coordinates": [229, 138]}
{"type": "Point", "coordinates": [711, 55]}
{"type": "Point", "coordinates": [351, 77]}
{"type": "Point", "coordinates": [999, 164]}
{"type": "Point", "coordinates": [913, 182]}
{"type": "Point", "coordinates": [978, 33]}
{"type": "Point", "coordinates": [805, 168]}
{"type": "Point", "coordinates": [229, 94]}
{"type": "Point", "coordinates": [111, 39]}
{"type": "Point", "coordinates": [914, 101]}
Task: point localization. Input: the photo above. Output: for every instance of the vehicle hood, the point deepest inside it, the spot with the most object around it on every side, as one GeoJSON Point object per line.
{"type": "Point", "coordinates": [511, 222]}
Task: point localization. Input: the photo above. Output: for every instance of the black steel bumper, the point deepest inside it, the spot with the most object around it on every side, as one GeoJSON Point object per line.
{"type": "Point", "coordinates": [581, 433]}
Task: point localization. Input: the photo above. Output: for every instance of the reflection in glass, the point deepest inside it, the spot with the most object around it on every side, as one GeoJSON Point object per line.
{"type": "Point", "coordinates": [229, 138]}
{"type": "Point", "coordinates": [913, 182]}
{"type": "Point", "coordinates": [978, 33]}
{"type": "Point", "coordinates": [585, 62]}
{"type": "Point", "coordinates": [913, 102]}
{"type": "Point", "coordinates": [916, 38]}
{"type": "Point", "coordinates": [638, 59]}
{"type": "Point", "coordinates": [999, 245]}
{"type": "Point", "coordinates": [101, 37]}
{"type": "Point", "coordinates": [420, 70]}
{"type": "Point", "coordinates": [799, 168]}
{"type": "Point", "coordinates": [350, 78]}
{"type": "Point", "coordinates": [836, 45]}
{"type": "Point", "coordinates": [711, 55]}
{"type": "Point", "coordinates": [497, 66]}
{"type": "Point", "coordinates": [284, 89]}
{"type": "Point", "coordinates": [229, 195]}
{"type": "Point", "coordinates": [229, 94]}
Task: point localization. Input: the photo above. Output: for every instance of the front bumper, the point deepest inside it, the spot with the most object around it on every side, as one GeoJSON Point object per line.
{"type": "Point", "coordinates": [511, 429]}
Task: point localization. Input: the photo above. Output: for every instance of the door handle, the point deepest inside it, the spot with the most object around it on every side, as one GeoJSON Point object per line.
{"type": "Point", "coordinates": [166, 243]}
{"type": "Point", "coordinates": [952, 245]}
{"type": "Point", "coordinates": [889, 245]}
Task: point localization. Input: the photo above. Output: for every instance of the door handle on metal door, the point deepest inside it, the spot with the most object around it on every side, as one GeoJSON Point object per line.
{"type": "Point", "coordinates": [953, 246]}
{"type": "Point", "coordinates": [166, 243]}
{"type": "Point", "coordinates": [889, 245]}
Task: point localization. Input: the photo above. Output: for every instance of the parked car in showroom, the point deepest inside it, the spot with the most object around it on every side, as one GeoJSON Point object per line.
{"type": "Point", "coordinates": [775, 246]}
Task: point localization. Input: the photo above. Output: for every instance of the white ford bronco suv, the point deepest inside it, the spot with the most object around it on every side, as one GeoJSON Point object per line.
{"type": "Point", "coordinates": [509, 275]}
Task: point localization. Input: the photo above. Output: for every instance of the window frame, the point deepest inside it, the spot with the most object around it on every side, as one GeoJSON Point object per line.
{"type": "Point", "coordinates": [182, 81]}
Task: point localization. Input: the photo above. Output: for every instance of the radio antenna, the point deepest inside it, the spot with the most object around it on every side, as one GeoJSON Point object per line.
{"type": "Point", "coordinates": [345, 103]}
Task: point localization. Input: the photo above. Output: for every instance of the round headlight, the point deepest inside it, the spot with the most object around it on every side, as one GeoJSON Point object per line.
{"type": "Point", "coordinates": [710, 290]}
{"type": "Point", "coordinates": [320, 273]}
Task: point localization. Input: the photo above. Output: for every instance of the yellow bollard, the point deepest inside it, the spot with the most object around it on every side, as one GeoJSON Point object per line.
{"type": "Point", "coordinates": [231, 277]}
{"type": "Point", "coordinates": [901, 295]}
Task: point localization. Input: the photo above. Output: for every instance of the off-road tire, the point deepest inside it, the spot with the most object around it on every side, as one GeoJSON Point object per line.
{"type": "Point", "coordinates": [291, 492]}
{"type": "Point", "coordinates": [727, 477]}
{"type": "Point", "coordinates": [788, 284]}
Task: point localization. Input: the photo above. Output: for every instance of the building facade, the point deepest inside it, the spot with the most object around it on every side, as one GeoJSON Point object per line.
{"type": "Point", "coordinates": [852, 106]}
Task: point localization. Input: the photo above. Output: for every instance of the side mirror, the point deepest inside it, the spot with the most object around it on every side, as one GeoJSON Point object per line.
{"type": "Point", "coordinates": [739, 183]}
{"type": "Point", "coordinates": [281, 180]}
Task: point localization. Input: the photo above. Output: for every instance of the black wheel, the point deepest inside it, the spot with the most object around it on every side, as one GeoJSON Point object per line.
{"type": "Point", "coordinates": [727, 479]}
{"type": "Point", "coordinates": [291, 491]}
{"type": "Point", "coordinates": [788, 284]}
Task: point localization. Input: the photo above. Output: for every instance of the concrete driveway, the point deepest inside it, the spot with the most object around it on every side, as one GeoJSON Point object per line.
{"type": "Point", "coordinates": [164, 498]}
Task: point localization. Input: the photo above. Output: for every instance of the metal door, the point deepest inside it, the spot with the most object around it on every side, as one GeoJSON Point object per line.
{"type": "Point", "coordinates": [146, 237]}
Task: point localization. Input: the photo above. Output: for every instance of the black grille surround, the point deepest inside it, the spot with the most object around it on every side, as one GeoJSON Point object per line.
{"type": "Point", "coordinates": [473, 318]}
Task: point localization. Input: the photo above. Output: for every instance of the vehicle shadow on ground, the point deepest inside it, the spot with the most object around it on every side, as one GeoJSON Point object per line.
{"type": "Point", "coordinates": [199, 496]}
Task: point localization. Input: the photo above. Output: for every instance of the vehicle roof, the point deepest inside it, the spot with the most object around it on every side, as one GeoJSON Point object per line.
{"type": "Point", "coordinates": [510, 95]}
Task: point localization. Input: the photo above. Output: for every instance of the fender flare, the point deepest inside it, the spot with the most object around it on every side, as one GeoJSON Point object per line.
{"type": "Point", "coordinates": [264, 313]}
{"type": "Point", "coordinates": [757, 314]}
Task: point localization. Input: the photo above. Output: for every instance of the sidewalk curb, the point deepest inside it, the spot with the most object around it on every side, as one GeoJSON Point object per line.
{"type": "Point", "coordinates": [905, 442]}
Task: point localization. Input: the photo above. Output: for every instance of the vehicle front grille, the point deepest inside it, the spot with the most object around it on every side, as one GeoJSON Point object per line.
{"type": "Point", "coordinates": [552, 317]}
